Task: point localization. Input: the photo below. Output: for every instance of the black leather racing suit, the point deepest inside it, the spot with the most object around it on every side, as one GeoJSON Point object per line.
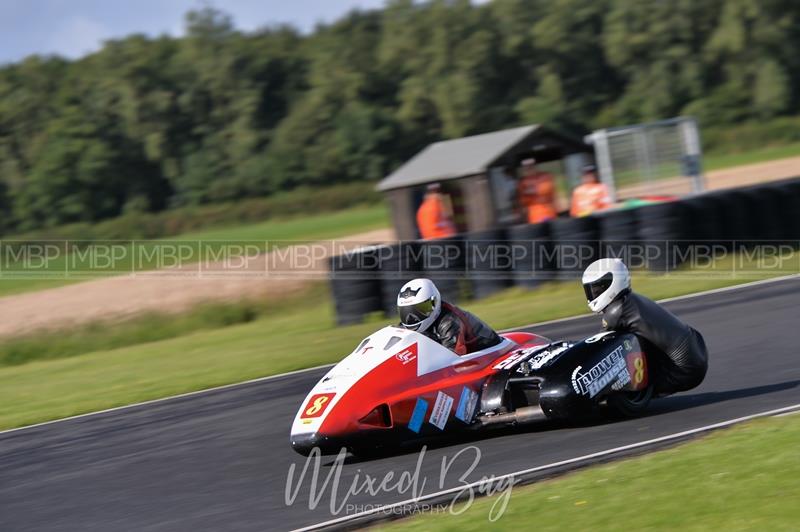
{"type": "Point", "coordinates": [461, 331]}
{"type": "Point", "coordinates": [685, 359]}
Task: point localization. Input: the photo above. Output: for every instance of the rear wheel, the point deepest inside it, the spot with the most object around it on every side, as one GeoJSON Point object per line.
{"type": "Point", "coordinates": [630, 404]}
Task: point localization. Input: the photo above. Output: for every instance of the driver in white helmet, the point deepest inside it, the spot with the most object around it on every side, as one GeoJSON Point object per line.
{"type": "Point", "coordinates": [421, 309]}
{"type": "Point", "coordinates": [607, 283]}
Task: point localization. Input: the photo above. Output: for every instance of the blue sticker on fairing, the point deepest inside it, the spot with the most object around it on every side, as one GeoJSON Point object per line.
{"type": "Point", "coordinates": [415, 423]}
{"type": "Point", "coordinates": [466, 405]}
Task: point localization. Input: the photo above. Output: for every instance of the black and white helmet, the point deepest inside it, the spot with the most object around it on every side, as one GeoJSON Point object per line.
{"type": "Point", "coordinates": [419, 304]}
{"type": "Point", "coordinates": [603, 281]}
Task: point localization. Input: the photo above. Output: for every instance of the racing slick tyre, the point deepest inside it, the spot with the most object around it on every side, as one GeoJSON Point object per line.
{"type": "Point", "coordinates": [630, 404]}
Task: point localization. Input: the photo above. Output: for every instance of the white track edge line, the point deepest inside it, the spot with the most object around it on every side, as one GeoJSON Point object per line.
{"type": "Point", "coordinates": [304, 370]}
{"type": "Point", "coordinates": [677, 435]}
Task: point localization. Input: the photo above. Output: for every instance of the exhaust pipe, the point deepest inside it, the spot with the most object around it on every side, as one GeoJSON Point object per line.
{"type": "Point", "coordinates": [520, 416]}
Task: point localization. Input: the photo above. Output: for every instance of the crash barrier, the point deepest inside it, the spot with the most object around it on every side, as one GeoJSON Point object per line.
{"type": "Point", "coordinates": [490, 264]}
{"type": "Point", "coordinates": [533, 254]}
{"type": "Point", "coordinates": [356, 284]}
{"type": "Point", "coordinates": [659, 236]}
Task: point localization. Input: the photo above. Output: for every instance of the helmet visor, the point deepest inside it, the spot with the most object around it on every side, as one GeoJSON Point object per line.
{"type": "Point", "coordinates": [596, 288]}
{"type": "Point", "coordinates": [411, 315]}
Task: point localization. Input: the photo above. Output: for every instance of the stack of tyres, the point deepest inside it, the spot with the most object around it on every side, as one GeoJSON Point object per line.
{"type": "Point", "coordinates": [532, 254]}
{"type": "Point", "coordinates": [664, 230]}
{"type": "Point", "coordinates": [444, 262]}
{"type": "Point", "coordinates": [399, 263]}
{"type": "Point", "coordinates": [618, 232]}
{"type": "Point", "coordinates": [749, 229]}
{"type": "Point", "coordinates": [576, 244]}
{"type": "Point", "coordinates": [769, 204]}
{"type": "Point", "coordinates": [730, 223]}
{"type": "Point", "coordinates": [489, 256]}
{"type": "Point", "coordinates": [706, 219]}
{"type": "Point", "coordinates": [355, 284]}
{"type": "Point", "coordinates": [789, 209]}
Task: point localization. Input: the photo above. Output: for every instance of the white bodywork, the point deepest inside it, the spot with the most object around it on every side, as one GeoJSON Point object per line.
{"type": "Point", "coordinates": [373, 351]}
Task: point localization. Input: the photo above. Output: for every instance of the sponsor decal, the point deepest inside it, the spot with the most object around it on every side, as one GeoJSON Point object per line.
{"type": "Point", "coordinates": [597, 337]}
{"type": "Point", "coordinates": [409, 293]}
{"type": "Point", "coordinates": [622, 381]}
{"type": "Point", "coordinates": [316, 405]}
{"type": "Point", "coordinates": [637, 368]}
{"type": "Point", "coordinates": [509, 361]}
{"type": "Point", "coordinates": [594, 380]}
{"type": "Point", "coordinates": [415, 423]}
{"type": "Point", "coordinates": [543, 358]}
{"type": "Point", "coordinates": [441, 410]}
{"type": "Point", "coordinates": [628, 346]}
{"type": "Point", "coordinates": [466, 405]}
{"type": "Point", "coordinates": [408, 354]}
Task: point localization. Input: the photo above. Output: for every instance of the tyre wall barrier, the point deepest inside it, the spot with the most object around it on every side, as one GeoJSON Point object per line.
{"type": "Point", "coordinates": [489, 256]}
{"type": "Point", "coordinates": [355, 284]}
{"type": "Point", "coordinates": [618, 232]}
{"type": "Point", "coordinates": [669, 234]}
{"type": "Point", "coordinates": [789, 209]}
{"type": "Point", "coordinates": [664, 230]}
{"type": "Point", "coordinates": [575, 245]}
{"type": "Point", "coordinates": [532, 259]}
{"type": "Point", "coordinates": [397, 266]}
{"type": "Point", "coordinates": [444, 262]}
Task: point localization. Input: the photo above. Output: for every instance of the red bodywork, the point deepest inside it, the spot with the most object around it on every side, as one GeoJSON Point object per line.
{"type": "Point", "coordinates": [395, 383]}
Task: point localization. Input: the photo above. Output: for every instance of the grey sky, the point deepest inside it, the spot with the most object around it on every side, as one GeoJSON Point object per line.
{"type": "Point", "coordinates": [72, 28]}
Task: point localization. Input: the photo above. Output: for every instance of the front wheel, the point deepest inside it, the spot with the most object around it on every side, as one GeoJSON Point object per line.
{"type": "Point", "coordinates": [630, 404]}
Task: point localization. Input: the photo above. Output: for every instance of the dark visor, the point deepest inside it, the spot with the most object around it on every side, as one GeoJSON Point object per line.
{"type": "Point", "coordinates": [413, 314]}
{"type": "Point", "coordinates": [595, 288]}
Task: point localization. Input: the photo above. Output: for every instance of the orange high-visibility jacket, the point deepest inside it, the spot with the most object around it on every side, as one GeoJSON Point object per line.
{"type": "Point", "coordinates": [537, 196]}
{"type": "Point", "coordinates": [433, 218]}
{"type": "Point", "coordinates": [588, 198]}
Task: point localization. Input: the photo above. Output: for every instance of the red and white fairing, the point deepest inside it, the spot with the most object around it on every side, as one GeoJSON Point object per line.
{"type": "Point", "coordinates": [375, 390]}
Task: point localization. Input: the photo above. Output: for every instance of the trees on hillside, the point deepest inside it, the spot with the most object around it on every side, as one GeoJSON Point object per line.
{"type": "Point", "coordinates": [148, 123]}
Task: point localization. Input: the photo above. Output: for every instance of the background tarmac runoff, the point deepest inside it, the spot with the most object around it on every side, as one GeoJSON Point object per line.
{"type": "Point", "coordinates": [219, 460]}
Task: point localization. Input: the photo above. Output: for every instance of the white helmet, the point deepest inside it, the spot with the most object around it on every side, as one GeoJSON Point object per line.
{"type": "Point", "coordinates": [419, 304]}
{"type": "Point", "coordinates": [603, 281]}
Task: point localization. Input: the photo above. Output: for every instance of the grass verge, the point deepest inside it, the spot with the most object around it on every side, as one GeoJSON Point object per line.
{"type": "Point", "coordinates": [52, 272]}
{"type": "Point", "coordinates": [743, 478]}
{"type": "Point", "coordinates": [276, 342]}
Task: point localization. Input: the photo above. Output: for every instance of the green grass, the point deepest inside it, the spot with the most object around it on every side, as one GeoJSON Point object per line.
{"type": "Point", "coordinates": [278, 341]}
{"type": "Point", "coordinates": [715, 161]}
{"type": "Point", "coordinates": [743, 478]}
{"type": "Point", "coordinates": [14, 279]}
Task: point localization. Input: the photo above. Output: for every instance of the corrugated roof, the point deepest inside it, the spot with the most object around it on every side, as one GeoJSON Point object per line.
{"type": "Point", "coordinates": [451, 159]}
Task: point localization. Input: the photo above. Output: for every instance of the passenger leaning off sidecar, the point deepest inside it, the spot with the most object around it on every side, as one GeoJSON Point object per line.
{"type": "Point", "coordinates": [607, 284]}
{"type": "Point", "coordinates": [421, 309]}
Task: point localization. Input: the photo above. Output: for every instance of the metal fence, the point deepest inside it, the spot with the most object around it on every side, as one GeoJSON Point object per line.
{"type": "Point", "coordinates": [657, 158]}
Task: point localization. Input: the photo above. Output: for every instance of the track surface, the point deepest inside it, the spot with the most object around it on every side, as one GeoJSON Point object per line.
{"type": "Point", "coordinates": [219, 461]}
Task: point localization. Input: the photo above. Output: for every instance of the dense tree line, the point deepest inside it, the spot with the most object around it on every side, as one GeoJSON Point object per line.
{"type": "Point", "coordinates": [149, 123]}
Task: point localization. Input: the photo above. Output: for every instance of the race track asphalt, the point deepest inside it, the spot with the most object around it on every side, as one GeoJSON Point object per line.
{"type": "Point", "coordinates": [220, 460]}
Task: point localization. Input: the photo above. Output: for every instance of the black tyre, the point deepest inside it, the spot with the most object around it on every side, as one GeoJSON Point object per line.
{"type": "Point", "coordinates": [630, 404]}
